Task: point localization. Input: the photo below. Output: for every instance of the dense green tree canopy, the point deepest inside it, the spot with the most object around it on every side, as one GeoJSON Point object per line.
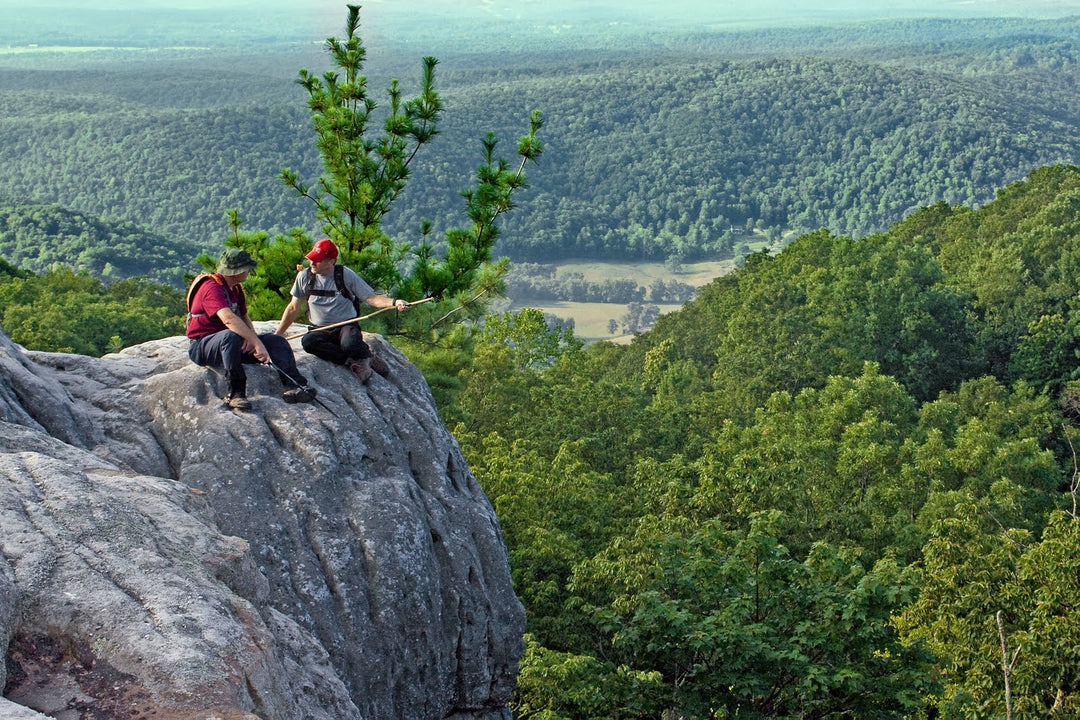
{"type": "Point", "coordinates": [40, 237]}
{"type": "Point", "coordinates": [670, 150]}
{"type": "Point", "coordinates": [810, 491]}
{"type": "Point", "coordinates": [841, 481]}
{"type": "Point", "coordinates": [64, 311]}
{"type": "Point", "coordinates": [700, 523]}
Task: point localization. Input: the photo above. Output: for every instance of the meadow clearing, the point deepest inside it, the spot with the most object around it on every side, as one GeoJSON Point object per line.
{"type": "Point", "coordinates": [592, 320]}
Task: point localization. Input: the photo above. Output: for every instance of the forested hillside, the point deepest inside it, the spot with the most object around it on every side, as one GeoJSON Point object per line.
{"type": "Point", "coordinates": [834, 484]}
{"type": "Point", "coordinates": [41, 237]}
{"type": "Point", "coordinates": [666, 150]}
{"type": "Point", "coordinates": [840, 482]}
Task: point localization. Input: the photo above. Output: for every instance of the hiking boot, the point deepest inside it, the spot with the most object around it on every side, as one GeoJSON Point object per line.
{"type": "Point", "coordinates": [239, 403]}
{"type": "Point", "coordinates": [360, 368]}
{"type": "Point", "coordinates": [379, 365]}
{"type": "Point", "coordinates": [301, 394]}
{"type": "Point", "coordinates": [237, 380]}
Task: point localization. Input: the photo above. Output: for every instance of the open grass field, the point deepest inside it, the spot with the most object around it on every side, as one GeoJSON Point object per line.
{"type": "Point", "coordinates": [591, 319]}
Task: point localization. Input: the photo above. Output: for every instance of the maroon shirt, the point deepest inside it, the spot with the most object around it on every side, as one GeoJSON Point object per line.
{"type": "Point", "coordinates": [209, 298]}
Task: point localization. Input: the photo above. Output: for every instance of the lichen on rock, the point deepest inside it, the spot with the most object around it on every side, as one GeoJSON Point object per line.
{"type": "Point", "coordinates": [161, 553]}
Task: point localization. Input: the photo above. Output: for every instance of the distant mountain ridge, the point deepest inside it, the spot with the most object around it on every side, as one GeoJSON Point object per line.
{"type": "Point", "coordinates": [654, 151]}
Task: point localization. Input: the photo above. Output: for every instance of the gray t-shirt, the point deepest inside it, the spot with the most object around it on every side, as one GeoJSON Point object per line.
{"type": "Point", "coordinates": [329, 309]}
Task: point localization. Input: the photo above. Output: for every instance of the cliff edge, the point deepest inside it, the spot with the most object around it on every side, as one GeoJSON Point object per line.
{"type": "Point", "coordinates": [162, 556]}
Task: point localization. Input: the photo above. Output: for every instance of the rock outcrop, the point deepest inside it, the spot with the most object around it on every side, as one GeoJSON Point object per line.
{"type": "Point", "coordinates": [162, 556]}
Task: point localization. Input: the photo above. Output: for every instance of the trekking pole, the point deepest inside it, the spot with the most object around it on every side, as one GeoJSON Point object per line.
{"type": "Point", "coordinates": [355, 319]}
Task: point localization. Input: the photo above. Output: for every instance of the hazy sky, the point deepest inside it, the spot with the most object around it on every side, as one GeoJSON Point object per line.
{"type": "Point", "coordinates": [306, 19]}
{"type": "Point", "coordinates": [704, 10]}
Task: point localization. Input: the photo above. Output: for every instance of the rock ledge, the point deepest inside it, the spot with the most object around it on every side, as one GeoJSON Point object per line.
{"type": "Point", "coordinates": [163, 556]}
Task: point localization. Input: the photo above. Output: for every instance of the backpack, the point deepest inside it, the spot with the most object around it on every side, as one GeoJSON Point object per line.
{"type": "Point", "coordinates": [197, 283]}
{"type": "Point", "coordinates": [339, 282]}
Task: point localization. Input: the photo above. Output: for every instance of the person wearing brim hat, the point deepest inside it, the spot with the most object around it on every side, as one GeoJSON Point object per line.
{"type": "Point", "coordinates": [222, 335]}
{"type": "Point", "coordinates": [332, 294]}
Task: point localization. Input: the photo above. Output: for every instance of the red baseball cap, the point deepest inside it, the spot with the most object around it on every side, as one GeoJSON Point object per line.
{"type": "Point", "coordinates": [323, 250]}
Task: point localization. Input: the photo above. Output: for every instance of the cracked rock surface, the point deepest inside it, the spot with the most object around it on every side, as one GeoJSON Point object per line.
{"type": "Point", "coordinates": [163, 556]}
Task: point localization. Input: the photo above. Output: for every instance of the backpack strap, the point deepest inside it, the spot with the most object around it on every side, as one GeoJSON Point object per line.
{"type": "Point", "coordinates": [312, 290]}
{"type": "Point", "coordinates": [339, 283]}
{"type": "Point", "coordinates": [197, 283]}
{"type": "Point", "coordinates": [339, 280]}
{"type": "Point", "coordinates": [194, 288]}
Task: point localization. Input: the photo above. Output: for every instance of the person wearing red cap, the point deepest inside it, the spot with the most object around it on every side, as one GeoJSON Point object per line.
{"type": "Point", "coordinates": [332, 294]}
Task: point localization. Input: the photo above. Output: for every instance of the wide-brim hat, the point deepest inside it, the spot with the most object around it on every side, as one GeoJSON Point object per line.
{"type": "Point", "coordinates": [235, 261]}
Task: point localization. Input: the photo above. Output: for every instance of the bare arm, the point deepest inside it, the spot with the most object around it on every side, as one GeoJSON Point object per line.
{"type": "Point", "coordinates": [383, 301]}
{"type": "Point", "coordinates": [292, 310]}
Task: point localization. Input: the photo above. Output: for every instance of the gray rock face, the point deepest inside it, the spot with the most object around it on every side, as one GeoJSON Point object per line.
{"type": "Point", "coordinates": [162, 554]}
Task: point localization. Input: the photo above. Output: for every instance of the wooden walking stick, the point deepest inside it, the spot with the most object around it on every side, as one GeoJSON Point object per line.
{"type": "Point", "coordinates": [355, 319]}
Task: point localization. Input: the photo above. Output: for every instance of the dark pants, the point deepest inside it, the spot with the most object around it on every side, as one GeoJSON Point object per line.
{"type": "Point", "coordinates": [225, 350]}
{"type": "Point", "coordinates": [337, 345]}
